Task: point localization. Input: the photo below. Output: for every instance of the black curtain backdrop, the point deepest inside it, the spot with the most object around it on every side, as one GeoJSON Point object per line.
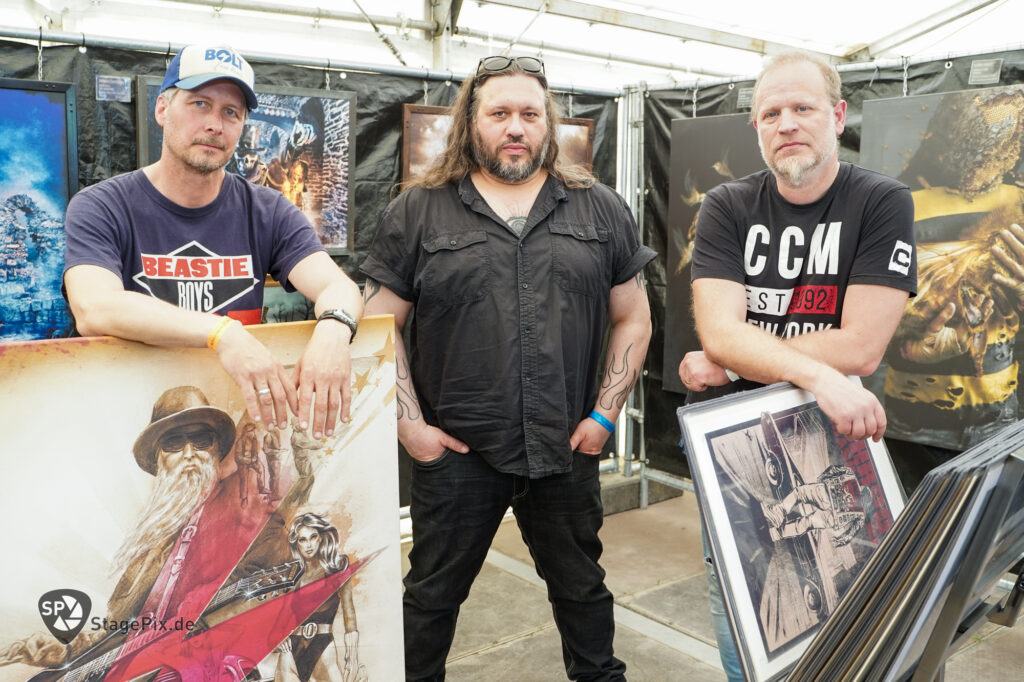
{"type": "Point", "coordinates": [107, 147]}
{"type": "Point", "coordinates": [107, 130]}
{"type": "Point", "coordinates": [660, 108]}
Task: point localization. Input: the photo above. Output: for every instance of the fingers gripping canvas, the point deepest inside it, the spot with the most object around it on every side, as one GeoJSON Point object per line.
{"type": "Point", "coordinates": [793, 511]}
{"type": "Point", "coordinates": [168, 533]}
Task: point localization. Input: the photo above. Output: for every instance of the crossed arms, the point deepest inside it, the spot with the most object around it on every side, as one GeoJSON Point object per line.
{"type": "Point", "coordinates": [816, 361]}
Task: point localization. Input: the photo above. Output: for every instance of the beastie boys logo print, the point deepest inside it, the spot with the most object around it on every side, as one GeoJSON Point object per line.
{"type": "Point", "coordinates": [195, 278]}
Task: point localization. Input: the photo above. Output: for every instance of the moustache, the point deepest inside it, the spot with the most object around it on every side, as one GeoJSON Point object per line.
{"type": "Point", "coordinates": [208, 142]}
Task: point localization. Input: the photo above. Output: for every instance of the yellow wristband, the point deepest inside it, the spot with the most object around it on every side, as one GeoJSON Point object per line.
{"type": "Point", "coordinates": [214, 338]}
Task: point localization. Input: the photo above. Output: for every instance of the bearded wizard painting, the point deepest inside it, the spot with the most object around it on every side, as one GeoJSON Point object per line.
{"type": "Point", "coordinates": [240, 551]}
{"type": "Point", "coordinates": [952, 374]}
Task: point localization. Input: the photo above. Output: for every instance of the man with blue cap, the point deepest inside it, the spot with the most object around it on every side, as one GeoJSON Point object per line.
{"type": "Point", "coordinates": [176, 253]}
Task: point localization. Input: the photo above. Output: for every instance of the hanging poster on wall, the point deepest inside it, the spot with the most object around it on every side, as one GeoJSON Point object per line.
{"type": "Point", "coordinates": [950, 376]}
{"type": "Point", "coordinates": [705, 153]}
{"type": "Point", "coordinates": [38, 175]}
{"type": "Point", "coordinates": [793, 511]}
{"type": "Point", "coordinates": [299, 141]}
{"type": "Point", "coordinates": [159, 528]}
{"type": "Point", "coordinates": [425, 131]}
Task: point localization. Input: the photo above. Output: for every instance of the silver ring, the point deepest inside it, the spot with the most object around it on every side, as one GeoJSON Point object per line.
{"type": "Point", "coordinates": [263, 391]}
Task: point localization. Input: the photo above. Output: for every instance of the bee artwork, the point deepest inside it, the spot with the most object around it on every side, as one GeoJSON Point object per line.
{"type": "Point", "coordinates": [950, 377]}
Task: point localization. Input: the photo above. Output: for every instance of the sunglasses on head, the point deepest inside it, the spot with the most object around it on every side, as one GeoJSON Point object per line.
{"type": "Point", "coordinates": [500, 63]}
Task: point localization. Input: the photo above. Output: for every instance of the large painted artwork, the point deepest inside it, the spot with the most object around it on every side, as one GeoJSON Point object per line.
{"type": "Point", "coordinates": [425, 133]}
{"type": "Point", "coordinates": [793, 510]}
{"type": "Point", "coordinates": [299, 141]}
{"type": "Point", "coordinates": [705, 153]}
{"type": "Point", "coordinates": [951, 377]}
{"type": "Point", "coordinates": [158, 528]}
{"type": "Point", "coordinates": [38, 175]}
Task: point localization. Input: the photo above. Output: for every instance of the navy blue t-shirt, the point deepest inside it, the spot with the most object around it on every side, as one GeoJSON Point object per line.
{"type": "Point", "coordinates": [214, 258]}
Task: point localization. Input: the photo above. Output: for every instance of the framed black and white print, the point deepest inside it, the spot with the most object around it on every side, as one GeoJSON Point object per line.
{"type": "Point", "coordinates": [299, 141]}
{"type": "Point", "coordinates": [793, 511]}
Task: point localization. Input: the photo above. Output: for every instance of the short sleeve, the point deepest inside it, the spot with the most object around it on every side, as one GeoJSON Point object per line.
{"type": "Point", "coordinates": [630, 256]}
{"type": "Point", "coordinates": [886, 254]}
{"type": "Point", "coordinates": [392, 257]}
{"type": "Point", "coordinates": [294, 238]}
{"type": "Point", "coordinates": [94, 235]}
{"type": "Point", "coordinates": [717, 249]}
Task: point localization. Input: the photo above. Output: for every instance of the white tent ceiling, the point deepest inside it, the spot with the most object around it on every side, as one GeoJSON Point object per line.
{"type": "Point", "coordinates": [603, 44]}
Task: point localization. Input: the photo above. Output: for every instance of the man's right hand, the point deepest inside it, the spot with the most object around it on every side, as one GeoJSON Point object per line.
{"type": "Point", "coordinates": [425, 443]}
{"type": "Point", "coordinates": [255, 370]}
{"type": "Point", "coordinates": [854, 410]}
{"type": "Point", "coordinates": [697, 372]}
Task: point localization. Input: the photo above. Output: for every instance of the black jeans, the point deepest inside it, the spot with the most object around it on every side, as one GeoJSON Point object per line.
{"type": "Point", "coordinates": [456, 505]}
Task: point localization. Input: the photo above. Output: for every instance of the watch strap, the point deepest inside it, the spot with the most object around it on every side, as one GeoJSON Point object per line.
{"type": "Point", "coordinates": [341, 316]}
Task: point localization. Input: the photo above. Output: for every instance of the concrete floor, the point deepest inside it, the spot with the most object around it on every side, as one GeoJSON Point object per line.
{"type": "Point", "coordinates": [663, 631]}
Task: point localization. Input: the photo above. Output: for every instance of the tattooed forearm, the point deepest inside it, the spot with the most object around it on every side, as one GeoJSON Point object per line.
{"type": "Point", "coordinates": [408, 404]}
{"type": "Point", "coordinates": [639, 280]}
{"type": "Point", "coordinates": [617, 382]}
{"type": "Point", "coordinates": [371, 289]}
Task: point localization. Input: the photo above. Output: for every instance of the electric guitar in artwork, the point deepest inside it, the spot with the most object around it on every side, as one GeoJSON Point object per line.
{"type": "Point", "coordinates": [94, 663]}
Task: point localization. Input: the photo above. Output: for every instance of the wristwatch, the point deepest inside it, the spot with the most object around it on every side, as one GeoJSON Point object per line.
{"type": "Point", "coordinates": [341, 316]}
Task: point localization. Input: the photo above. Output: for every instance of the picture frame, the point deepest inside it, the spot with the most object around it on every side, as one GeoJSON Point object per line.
{"type": "Point", "coordinates": [236, 587]}
{"type": "Point", "coordinates": [793, 511]}
{"type": "Point", "coordinates": [425, 130]}
{"type": "Point", "coordinates": [38, 175]}
{"type": "Point", "coordinates": [300, 141]}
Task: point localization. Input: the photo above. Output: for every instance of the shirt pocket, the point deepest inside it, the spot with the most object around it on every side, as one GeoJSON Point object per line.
{"type": "Point", "coordinates": [456, 267]}
{"type": "Point", "coordinates": [578, 257]}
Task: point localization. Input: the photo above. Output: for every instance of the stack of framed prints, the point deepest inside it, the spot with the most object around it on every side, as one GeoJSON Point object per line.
{"type": "Point", "coordinates": [793, 512]}
{"type": "Point", "coordinates": [934, 580]}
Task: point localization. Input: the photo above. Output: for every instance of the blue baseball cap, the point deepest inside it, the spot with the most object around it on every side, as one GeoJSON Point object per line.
{"type": "Point", "coordinates": [197, 65]}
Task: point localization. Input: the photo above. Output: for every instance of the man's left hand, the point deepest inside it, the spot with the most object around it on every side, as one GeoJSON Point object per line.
{"type": "Point", "coordinates": [323, 379]}
{"type": "Point", "coordinates": [589, 437]}
{"type": "Point", "coordinates": [698, 372]}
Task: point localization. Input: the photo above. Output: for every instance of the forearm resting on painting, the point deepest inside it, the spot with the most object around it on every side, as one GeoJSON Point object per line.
{"type": "Point", "coordinates": [102, 306]}
{"type": "Point", "coordinates": [753, 353]}
{"type": "Point", "coordinates": [422, 441]}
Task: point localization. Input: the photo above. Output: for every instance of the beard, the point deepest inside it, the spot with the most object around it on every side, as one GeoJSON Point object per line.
{"type": "Point", "coordinates": [174, 499]}
{"type": "Point", "coordinates": [795, 170]}
{"type": "Point", "coordinates": [514, 171]}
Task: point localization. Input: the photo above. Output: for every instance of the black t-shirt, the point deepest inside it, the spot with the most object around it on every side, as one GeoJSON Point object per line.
{"type": "Point", "coordinates": [796, 260]}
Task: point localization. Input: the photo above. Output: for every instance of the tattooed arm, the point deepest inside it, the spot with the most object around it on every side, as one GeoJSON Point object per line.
{"type": "Point", "coordinates": [630, 316]}
{"type": "Point", "coordinates": [423, 441]}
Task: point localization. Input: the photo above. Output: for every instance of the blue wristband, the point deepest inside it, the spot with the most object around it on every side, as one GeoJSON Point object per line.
{"type": "Point", "coordinates": [602, 420]}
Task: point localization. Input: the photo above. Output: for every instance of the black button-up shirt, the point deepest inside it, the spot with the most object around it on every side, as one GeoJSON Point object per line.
{"type": "Point", "coordinates": [507, 330]}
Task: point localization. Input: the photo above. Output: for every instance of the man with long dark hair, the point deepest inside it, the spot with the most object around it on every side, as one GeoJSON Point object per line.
{"type": "Point", "coordinates": [515, 264]}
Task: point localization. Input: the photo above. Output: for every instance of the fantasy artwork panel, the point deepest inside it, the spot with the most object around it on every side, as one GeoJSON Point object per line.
{"type": "Point", "coordinates": [705, 153]}
{"type": "Point", "coordinates": [793, 510]}
{"type": "Point", "coordinates": [299, 141]}
{"type": "Point", "coordinates": [38, 175]}
{"type": "Point", "coordinates": [425, 132]}
{"type": "Point", "coordinates": [951, 376]}
{"type": "Point", "coordinates": [160, 529]}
